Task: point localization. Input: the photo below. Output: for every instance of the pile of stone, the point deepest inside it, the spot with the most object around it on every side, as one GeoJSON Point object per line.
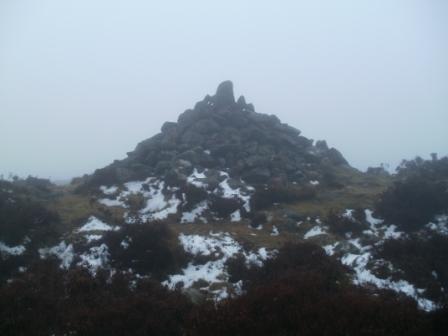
{"type": "Point", "coordinates": [221, 133]}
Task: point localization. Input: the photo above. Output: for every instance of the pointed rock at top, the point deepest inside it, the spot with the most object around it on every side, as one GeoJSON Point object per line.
{"type": "Point", "coordinates": [241, 101]}
{"type": "Point", "coordinates": [224, 94]}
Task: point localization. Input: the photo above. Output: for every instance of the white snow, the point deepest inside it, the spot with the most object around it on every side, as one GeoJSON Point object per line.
{"type": "Point", "coordinates": [112, 202]}
{"type": "Point", "coordinates": [264, 254]}
{"type": "Point", "coordinates": [226, 191]}
{"type": "Point", "coordinates": [392, 233]}
{"type": "Point", "coordinates": [171, 208]}
{"type": "Point", "coordinates": [159, 204]}
{"type": "Point", "coordinates": [156, 199]}
{"type": "Point", "coordinates": [6, 250]}
{"type": "Point", "coordinates": [274, 231]}
{"type": "Point", "coordinates": [358, 262]}
{"type": "Point", "coordinates": [372, 220]}
{"type": "Point", "coordinates": [257, 258]}
{"type": "Point", "coordinates": [356, 242]}
{"type": "Point", "coordinates": [62, 251]}
{"type": "Point", "coordinates": [221, 294]}
{"type": "Point", "coordinates": [125, 243]}
{"type": "Point", "coordinates": [191, 216]}
{"type": "Point", "coordinates": [135, 187]}
{"type": "Point", "coordinates": [440, 225]}
{"type": "Point", "coordinates": [95, 224]}
{"type": "Point", "coordinates": [197, 179]}
{"type": "Point", "coordinates": [314, 182]}
{"type": "Point", "coordinates": [203, 245]}
{"type": "Point", "coordinates": [238, 287]}
{"type": "Point", "coordinates": [349, 214]}
{"type": "Point", "coordinates": [235, 216]}
{"type": "Point", "coordinates": [96, 257]}
{"type": "Point", "coordinates": [109, 190]}
{"type": "Point", "coordinates": [220, 245]}
{"type": "Point", "coordinates": [359, 257]}
{"type": "Point", "coordinates": [156, 206]}
{"type": "Point", "coordinates": [329, 249]}
{"type": "Point", "coordinates": [211, 272]}
{"type": "Point", "coordinates": [315, 231]}
{"type": "Point", "coordinates": [151, 189]}
{"type": "Point", "coordinates": [92, 237]}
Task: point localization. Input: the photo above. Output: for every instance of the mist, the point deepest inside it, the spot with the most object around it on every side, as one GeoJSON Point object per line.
{"type": "Point", "coordinates": [81, 83]}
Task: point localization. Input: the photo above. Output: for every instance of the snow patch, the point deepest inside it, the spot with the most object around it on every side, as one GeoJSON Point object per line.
{"type": "Point", "coordinates": [359, 262]}
{"type": "Point", "coordinates": [348, 213]}
{"type": "Point", "coordinates": [62, 251]}
{"type": "Point", "coordinates": [440, 226]}
{"type": "Point", "coordinates": [235, 216]}
{"type": "Point", "coordinates": [125, 243]}
{"type": "Point", "coordinates": [92, 237]}
{"type": "Point", "coordinates": [95, 224]}
{"type": "Point", "coordinates": [6, 250]}
{"type": "Point", "coordinates": [109, 190]}
{"type": "Point", "coordinates": [156, 206]}
{"type": "Point", "coordinates": [203, 245]}
{"type": "Point", "coordinates": [226, 191]}
{"type": "Point", "coordinates": [197, 179]}
{"type": "Point", "coordinates": [329, 249]}
{"type": "Point", "coordinates": [112, 202]}
{"type": "Point", "coordinates": [193, 215]}
{"type": "Point", "coordinates": [220, 245]}
{"type": "Point", "coordinates": [372, 220]}
{"type": "Point", "coordinates": [170, 208]}
{"type": "Point", "coordinates": [315, 231]}
{"type": "Point", "coordinates": [96, 257]}
{"type": "Point", "coordinates": [391, 232]}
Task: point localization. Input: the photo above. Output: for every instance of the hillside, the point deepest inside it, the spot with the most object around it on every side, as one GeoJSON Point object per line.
{"type": "Point", "coordinates": [225, 211]}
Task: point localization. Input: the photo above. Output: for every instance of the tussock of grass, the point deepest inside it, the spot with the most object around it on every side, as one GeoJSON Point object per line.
{"type": "Point", "coordinates": [359, 191]}
{"type": "Point", "coordinates": [74, 208]}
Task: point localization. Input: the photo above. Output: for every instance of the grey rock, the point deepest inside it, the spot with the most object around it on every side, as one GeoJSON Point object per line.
{"type": "Point", "coordinates": [190, 156]}
{"type": "Point", "coordinates": [169, 127]}
{"type": "Point", "coordinates": [184, 163]}
{"type": "Point", "coordinates": [257, 175]}
{"type": "Point", "coordinates": [162, 167]}
{"type": "Point", "coordinates": [336, 157]}
{"type": "Point", "coordinates": [321, 145]}
{"type": "Point", "coordinates": [224, 94]}
{"type": "Point", "coordinates": [241, 101]}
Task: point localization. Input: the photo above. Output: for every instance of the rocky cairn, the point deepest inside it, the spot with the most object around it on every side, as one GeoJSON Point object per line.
{"type": "Point", "coordinates": [224, 134]}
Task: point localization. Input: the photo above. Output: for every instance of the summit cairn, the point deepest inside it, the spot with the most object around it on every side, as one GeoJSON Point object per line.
{"type": "Point", "coordinates": [223, 135]}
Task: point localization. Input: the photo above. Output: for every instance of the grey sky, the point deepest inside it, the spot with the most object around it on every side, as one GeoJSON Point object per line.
{"type": "Point", "coordinates": [82, 82]}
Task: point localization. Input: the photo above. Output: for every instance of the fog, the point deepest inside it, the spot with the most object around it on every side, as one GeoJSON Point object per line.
{"type": "Point", "coordinates": [82, 82]}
